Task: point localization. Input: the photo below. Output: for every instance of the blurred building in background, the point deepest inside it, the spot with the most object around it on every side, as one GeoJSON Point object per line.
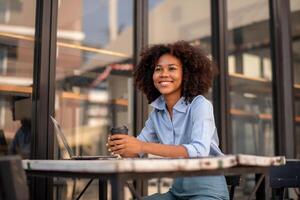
{"type": "Point", "coordinates": [73, 59]}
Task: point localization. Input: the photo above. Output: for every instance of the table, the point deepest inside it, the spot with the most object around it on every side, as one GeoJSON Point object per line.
{"type": "Point", "coordinates": [118, 171]}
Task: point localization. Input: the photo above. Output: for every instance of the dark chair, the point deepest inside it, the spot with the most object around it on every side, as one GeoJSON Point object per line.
{"type": "Point", "coordinates": [232, 183]}
{"type": "Point", "coordinates": [283, 177]}
{"type": "Point", "coordinates": [13, 184]}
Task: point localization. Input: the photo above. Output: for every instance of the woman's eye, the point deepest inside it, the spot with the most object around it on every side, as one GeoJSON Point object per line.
{"type": "Point", "coordinates": [157, 69]}
{"type": "Point", "coordinates": [172, 68]}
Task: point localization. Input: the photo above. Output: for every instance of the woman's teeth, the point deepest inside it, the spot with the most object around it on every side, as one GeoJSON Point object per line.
{"type": "Point", "coordinates": [165, 83]}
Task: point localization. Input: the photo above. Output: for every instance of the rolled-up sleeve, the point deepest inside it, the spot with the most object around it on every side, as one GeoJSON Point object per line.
{"type": "Point", "coordinates": [203, 129]}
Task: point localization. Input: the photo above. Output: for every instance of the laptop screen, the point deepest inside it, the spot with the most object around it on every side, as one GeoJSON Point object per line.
{"type": "Point", "coordinates": [61, 135]}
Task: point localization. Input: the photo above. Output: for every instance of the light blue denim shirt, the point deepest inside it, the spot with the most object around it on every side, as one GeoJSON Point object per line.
{"type": "Point", "coordinates": [192, 126]}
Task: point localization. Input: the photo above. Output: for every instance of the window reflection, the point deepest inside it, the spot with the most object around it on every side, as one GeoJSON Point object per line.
{"type": "Point", "coordinates": [250, 81]}
{"type": "Point", "coordinates": [250, 75]}
{"type": "Point", "coordinates": [94, 86]}
{"type": "Point", "coordinates": [189, 20]}
{"type": "Point", "coordinates": [295, 25]}
{"type": "Point", "coordinates": [93, 72]}
{"type": "Point", "coordinates": [16, 71]}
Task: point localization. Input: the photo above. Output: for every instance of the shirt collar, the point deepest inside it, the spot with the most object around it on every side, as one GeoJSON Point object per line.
{"type": "Point", "coordinates": [160, 104]}
{"type": "Point", "coordinates": [181, 105]}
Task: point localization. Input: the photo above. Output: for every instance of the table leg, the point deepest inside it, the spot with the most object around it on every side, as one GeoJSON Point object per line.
{"type": "Point", "coordinates": [267, 186]}
{"type": "Point", "coordinates": [257, 186]}
{"type": "Point", "coordinates": [263, 191]}
{"type": "Point", "coordinates": [117, 187]}
{"type": "Point", "coordinates": [102, 189]}
{"type": "Point", "coordinates": [262, 187]}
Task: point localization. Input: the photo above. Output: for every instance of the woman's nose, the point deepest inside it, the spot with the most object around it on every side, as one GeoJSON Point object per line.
{"type": "Point", "coordinates": [164, 73]}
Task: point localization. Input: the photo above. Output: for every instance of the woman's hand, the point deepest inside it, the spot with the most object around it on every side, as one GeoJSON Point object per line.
{"type": "Point", "coordinates": [124, 145]}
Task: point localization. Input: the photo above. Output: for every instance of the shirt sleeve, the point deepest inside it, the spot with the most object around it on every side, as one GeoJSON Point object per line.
{"type": "Point", "coordinates": [148, 133]}
{"type": "Point", "coordinates": [202, 131]}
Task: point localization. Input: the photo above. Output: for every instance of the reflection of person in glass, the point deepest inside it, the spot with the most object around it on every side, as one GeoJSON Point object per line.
{"type": "Point", "coordinates": [174, 78]}
{"type": "Point", "coordinates": [21, 143]}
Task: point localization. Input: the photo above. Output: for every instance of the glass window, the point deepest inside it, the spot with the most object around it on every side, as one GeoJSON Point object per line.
{"type": "Point", "coordinates": [295, 25]}
{"type": "Point", "coordinates": [188, 20]}
{"type": "Point", "coordinates": [250, 73]}
{"type": "Point", "coordinates": [17, 28]}
{"type": "Point", "coordinates": [94, 86]}
{"type": "Point", "coordinates": [182, 20]}
{"type": "Point", "coordinates": [250, 79]}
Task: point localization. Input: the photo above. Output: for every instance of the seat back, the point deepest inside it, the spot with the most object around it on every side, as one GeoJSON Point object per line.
{"type": "Point", "coordinates": [285, 176]}
{"type": "Point", "coordinates": [13, 184]}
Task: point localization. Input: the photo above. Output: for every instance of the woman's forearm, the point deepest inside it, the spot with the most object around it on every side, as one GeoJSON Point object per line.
{"type": "Point", "coordinates": [172, 151]}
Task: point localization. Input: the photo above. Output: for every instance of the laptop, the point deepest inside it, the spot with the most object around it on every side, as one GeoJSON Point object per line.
{"type": "Point", "coordinates": [60, 134]}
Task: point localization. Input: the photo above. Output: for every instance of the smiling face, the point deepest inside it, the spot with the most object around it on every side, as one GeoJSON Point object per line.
{"type": "Point", "coordinates": [167, 76]}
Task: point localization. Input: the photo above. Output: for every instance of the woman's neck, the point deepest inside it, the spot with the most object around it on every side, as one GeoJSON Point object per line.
{"type": "Point", "coordinates": [171, 100]}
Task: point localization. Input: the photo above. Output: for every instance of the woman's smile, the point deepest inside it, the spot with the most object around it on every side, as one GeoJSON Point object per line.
{"type": "Point", "coordinates": [165, 83]}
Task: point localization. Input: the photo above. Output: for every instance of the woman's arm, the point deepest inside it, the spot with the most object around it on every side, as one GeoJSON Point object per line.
{"type": "Point", "coordinates": [128, 146]}
{"type": "Point", "coordinates": [171, 151]}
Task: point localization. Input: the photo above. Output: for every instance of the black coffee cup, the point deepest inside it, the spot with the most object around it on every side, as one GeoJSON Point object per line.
{"type": "Point", "coordinates": [119, 130]}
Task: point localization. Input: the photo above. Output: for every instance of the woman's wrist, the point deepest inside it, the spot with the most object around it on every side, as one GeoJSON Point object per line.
{"type": "Point", "coordinates": [142, 147]}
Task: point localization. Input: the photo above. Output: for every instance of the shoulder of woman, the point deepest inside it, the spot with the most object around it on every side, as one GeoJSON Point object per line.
{"type": "Point", "coordinates": [201, 102]}
{"type": "Point", "coordinates": [201, 108]}
{"type": "Point", "coordinates": [153, 113]}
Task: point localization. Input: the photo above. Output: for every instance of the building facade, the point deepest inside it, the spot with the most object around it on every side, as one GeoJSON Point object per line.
{"type": "Point", "coordinates": [73, 59]}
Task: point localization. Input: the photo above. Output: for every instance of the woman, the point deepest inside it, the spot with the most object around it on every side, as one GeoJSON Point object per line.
{"type": "Point", "coordinates": [174, 77]}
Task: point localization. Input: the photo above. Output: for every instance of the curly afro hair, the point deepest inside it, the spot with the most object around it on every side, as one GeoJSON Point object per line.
{"type": "Point", "coordinates": [197, 69]}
